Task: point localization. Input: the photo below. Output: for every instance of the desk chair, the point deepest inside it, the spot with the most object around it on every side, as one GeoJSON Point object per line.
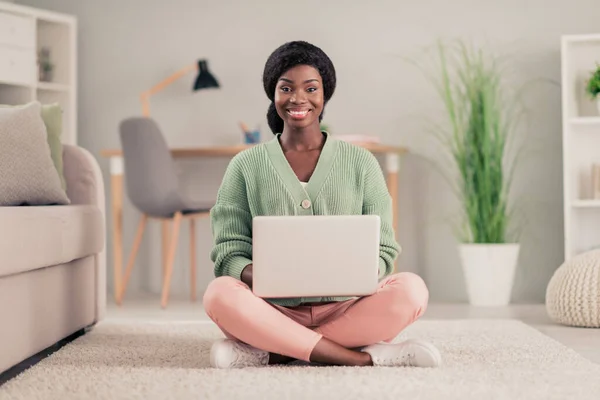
{"type": "Point", "coordinates": [153, 188]}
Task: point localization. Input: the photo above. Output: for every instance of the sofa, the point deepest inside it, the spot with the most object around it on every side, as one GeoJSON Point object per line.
{"type": "Point", "coordinates": [53, 264]}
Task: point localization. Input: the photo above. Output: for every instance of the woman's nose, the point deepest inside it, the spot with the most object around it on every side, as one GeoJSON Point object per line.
{"type": "Point", "coordinates": [298, 97]}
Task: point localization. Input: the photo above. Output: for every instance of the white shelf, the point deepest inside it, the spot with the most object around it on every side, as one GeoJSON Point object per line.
{"type": "Point", "coordinates": [581, 38]}
{"type": "Point", "coordinates": [57, 87]}
{"type": "Point", "coordinates": [586, 203]}
{"type": "Point", "coordinates": [585, 121]}
{"type": "Point", "coordinates": [16, 84]}
{"type": "Point", "coordinates": [33, 29]}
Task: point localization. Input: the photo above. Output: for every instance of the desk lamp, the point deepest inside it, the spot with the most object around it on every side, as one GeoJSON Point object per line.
{"type": "Point", "coordinates": [204, 80]}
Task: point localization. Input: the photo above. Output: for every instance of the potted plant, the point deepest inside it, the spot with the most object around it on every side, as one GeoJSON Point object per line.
{"type": "Point", "coordinates": [479, 122]}
{"type": "Point", "coordinates": [46, 67]}
{"type": "Point", "coordinates": [593, 86]}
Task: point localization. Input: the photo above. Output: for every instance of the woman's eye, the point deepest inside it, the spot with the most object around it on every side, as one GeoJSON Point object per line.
{"type": "Point", "coordinates": [312, 89]}
{"type": "Point", "coordinates": [285, 89]}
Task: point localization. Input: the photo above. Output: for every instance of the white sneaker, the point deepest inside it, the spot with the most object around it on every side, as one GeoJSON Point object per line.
{"type": "Point", "coordinates": [226, 353]}
{"type": "Point", "coordinates": [410, 353]}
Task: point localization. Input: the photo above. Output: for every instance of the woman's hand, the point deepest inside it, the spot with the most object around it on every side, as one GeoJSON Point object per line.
{"type": "Point", "coordinates": [247, 275]}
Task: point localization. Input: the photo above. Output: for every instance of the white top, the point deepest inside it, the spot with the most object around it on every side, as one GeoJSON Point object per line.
{"type": "Point", "coordinates": [303, 183]}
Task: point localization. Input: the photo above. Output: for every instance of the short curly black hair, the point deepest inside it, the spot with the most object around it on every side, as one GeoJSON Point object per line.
{"type": "Point", "coordinates": [288, 56]}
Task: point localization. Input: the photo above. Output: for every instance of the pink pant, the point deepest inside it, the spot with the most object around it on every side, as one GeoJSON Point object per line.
{"type": "Point", "coordinates": [399, 301]}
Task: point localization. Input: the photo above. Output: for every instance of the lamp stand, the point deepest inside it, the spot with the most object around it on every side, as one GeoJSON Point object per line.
{"type": "Point", "coordinates": [145, 96]}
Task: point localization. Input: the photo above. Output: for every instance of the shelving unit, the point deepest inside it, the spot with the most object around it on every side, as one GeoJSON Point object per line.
{"type": "Point", "coordinates": [581, 144]}
{"type": "Point", "coordinates": [24, 32]}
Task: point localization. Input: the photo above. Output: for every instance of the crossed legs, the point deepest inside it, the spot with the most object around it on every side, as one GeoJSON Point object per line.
{"type": "Point", "coordinates": [326, 333]}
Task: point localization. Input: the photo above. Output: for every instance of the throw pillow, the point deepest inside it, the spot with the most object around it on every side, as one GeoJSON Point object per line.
{"type": "Point", "coordinates": [27, 173]}
{"type": "Point", "coordinates": [52, 116]}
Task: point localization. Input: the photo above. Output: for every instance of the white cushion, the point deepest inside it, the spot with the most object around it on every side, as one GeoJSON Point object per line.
{"type": "Point", "coordinates": [27, 172]}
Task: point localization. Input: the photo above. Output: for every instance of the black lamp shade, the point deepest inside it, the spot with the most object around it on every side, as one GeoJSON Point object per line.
{"type": "Point", "coordinates": [204, 79]}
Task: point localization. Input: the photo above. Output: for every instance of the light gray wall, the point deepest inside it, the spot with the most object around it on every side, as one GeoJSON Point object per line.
{"type": "Point", "coordinates": [127, 46]}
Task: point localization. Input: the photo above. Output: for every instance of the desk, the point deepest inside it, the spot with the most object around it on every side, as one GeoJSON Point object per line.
{"type": "Point", "coordinates": [392, 167]}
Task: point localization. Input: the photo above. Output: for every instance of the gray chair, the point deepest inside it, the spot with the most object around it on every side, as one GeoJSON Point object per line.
{"type": "Point", "coordinates": [152, 186]}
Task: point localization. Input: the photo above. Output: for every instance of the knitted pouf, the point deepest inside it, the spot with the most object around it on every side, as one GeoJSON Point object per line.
{"type": "Point", "coordinates": [573, 293]}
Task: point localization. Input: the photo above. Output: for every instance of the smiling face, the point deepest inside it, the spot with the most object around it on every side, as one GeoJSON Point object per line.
{"type": "Point", "coordinates": [299, 97]}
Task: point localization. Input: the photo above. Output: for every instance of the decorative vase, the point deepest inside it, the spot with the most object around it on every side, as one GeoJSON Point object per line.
{"type": "Point", "coordinates": [46, 75]}
{"type": "Point", "coordinates": [489, 272]}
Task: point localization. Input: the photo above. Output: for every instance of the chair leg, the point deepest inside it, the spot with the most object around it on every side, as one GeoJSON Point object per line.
{"type": "Point", "coordinates": [165, 246]}
{"type": "Point", "coordinates": [193, 258]}
{"type": "Point", "coordinates": [171, 258]}
{"type": "Point", "coordinates": [136, 246]}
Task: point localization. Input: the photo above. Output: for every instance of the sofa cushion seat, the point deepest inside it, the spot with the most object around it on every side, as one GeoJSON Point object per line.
{"type": "Point", "coordinates": [34, 237]}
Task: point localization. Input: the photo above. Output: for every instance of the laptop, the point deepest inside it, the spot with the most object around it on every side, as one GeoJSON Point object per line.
{"type": "Point", "coordinates": [313, 256]}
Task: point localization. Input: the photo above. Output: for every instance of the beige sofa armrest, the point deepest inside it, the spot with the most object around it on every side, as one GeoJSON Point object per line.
{"type": "Point", "coordinates": [85, 185]}
{"type": "Point", "coordinates": [80, 174]}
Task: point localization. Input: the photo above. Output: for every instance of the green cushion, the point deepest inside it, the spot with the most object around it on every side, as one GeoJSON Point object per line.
{"type": "Point", "coordinates": [52, 117]}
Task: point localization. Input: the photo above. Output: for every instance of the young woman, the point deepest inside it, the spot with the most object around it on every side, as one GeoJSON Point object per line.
{"type": "Point", "coordinates": [301, 171]}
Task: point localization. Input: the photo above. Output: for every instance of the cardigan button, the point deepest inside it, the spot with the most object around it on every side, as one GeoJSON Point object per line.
{"type": "Point", "coordinates": [305, 204]}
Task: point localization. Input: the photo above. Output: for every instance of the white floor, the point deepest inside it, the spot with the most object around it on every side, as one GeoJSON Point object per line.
{"type": "Point", "coordinates": [583, 340]}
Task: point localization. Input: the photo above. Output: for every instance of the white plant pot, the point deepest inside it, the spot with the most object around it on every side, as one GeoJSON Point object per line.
{"type": "Point", "coordinates": [598, 103]}
{"type": "Point", "coordinates": [489, 272]}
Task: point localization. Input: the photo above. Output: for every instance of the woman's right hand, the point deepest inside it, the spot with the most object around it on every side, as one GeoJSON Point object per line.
{"type": "Point", "coordinates": [247, 275]}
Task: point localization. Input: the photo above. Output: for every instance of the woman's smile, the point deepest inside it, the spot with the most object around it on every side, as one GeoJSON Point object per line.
{"type": "Point", "coordinates": [298, 113]}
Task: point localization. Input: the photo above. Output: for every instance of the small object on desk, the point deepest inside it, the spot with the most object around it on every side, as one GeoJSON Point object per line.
{"type": "Point", "coordinates": [244, 127]}
{"type": "Point", "coordinates": [250, 136]}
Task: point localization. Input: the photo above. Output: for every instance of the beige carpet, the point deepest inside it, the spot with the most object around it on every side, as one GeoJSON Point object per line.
{"type": "Point", "coordinates": [483, 359]}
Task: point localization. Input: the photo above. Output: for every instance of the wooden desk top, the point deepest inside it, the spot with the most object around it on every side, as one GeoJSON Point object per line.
{"type": "Point", "coordinates": [229, 151]}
